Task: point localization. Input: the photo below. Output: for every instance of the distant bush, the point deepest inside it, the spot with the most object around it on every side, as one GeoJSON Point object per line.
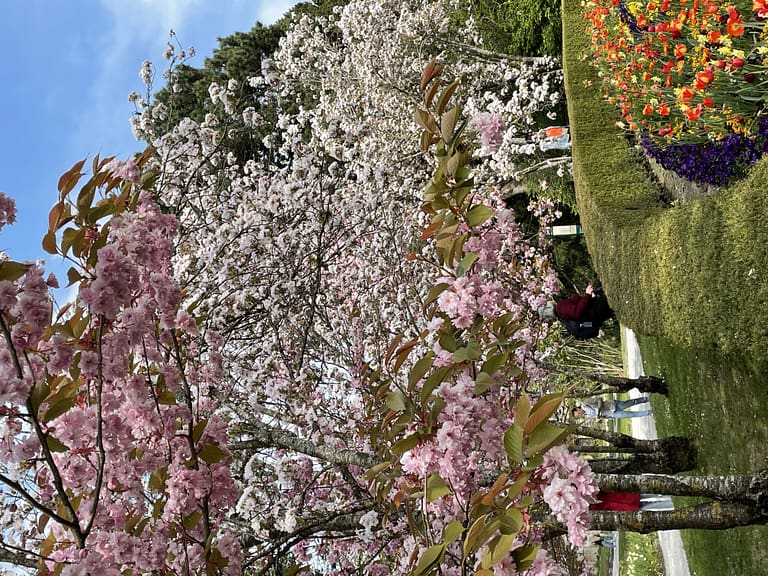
{"type": "Point", "coordinates": [520, 27]}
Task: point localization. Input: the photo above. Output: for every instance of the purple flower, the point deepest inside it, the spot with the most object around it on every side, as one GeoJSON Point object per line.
{"type": "Point", "coordinates": [711, 162]}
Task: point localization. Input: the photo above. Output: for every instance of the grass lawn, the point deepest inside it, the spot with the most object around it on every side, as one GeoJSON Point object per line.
{"type": "Point", "coordinates": [721, 404]}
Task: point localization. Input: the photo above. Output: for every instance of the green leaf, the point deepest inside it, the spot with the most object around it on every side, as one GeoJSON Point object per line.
{"type": "Point", "coordinates": [477, 534]}
{"type": "Point", "coordinates": [511, 522]}
{"type": "Point", "coordinates": [514, 489]}
{"type": "Point", "coordinates": [211, 453]}
{"type": "Point", "coordinates": [472, 352]}
{"type": "Point", "coordinates": [426, 140]}
{"type": "Point", "coordinates": [57, 408]}
{"type": "Point", "coordinates": [85, 198]}
{"type": "Point", "coordinates": [513, 445]}
{"type": "Point", "coordinates": [425, 120]}
{"type": "Point", "coordinates": [69, 179]}
{"type": "Point", "coordinates": [499, 548]}
{"type": "Point", "coordinates": [403, 445]}
{"type": "Point", "coordinates": [191, 520]}
{"type": "Point", "coordinates": [73, 276]}
{"type": "Point", "coordinates": [158, 479]}
{"type": "Point", "coordinates": [429, 559]}
{"type": "Point", "coordinates": [483, 383]}
{"type": "Point", "coordinates": [55, 445]}
{"type": "Point", "coordinates": [395, 401]}
{"type": "Point", "coordinates": [448, 123]}
{"type": "Point", "coordinates": [197, 431]}
{"type": "Point", "coordinates": [452, 531]}
{"type": "Point", "coordinates": [544, 437]}
{"type": "Point", "coordinates": [421, 367]}
{"type": "Point", "coordinates": [479, 214]}
{"type": "Point", "coordinates": [438, 376]}
{"type": "Point", "coordinates": [522, 411]}
{"type": "Point", "coordinates": [448, 342]}
{"type": "Point", "coordinates": [460, 194]}
{"type": "Point", "coordinates": [445, 96]}
{"type": "Point", "coordinates": [402, 353]}
{"type": "Point", "coordinates": [166, 397]}
{"type": "Point", "coordinates": [524, 557]}
{"type": "Point", "coordinates": [149, 177]}
{"type": "Point", "coordinates": [371, 473]}
{"type": "Point", "coordinates": [494, 363]}
{"type": "Point", "coordinates": [433, 294]}
{"type": "Point", "coordinates": [37, 395]}
{"type": "Point", "coordinates": [70, 238]}
{"type": "Point", "coordinates": [436, 487]}
{"type": "Point", "coordinates": [49, 243]}
{"type": "Point", "coordinates": [12, 271]}
{"type": "Point", "coordinates": [543, 409]}
{"type": "Point", "coordinates": [466, 263]}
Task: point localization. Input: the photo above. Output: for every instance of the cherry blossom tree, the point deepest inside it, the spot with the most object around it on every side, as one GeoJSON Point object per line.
{"type": "Point", "coordinates": [113, 456]}
{"type": "Point", "coordinates": [321, 358]}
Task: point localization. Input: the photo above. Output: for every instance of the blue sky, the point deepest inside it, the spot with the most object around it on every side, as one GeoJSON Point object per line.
{"type": "Point", "coordinates": [67, 71]}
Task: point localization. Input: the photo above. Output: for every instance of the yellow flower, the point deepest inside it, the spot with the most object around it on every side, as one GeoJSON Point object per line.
{"type": "Point", "coordinates": [724, 51]}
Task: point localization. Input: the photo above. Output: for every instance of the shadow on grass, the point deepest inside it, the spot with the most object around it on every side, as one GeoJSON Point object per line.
{"type": "Point", "coordinates": [721, 404]}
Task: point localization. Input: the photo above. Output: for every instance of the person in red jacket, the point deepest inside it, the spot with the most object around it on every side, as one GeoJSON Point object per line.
{"type": "Point", "coordinates": [617, 501]}
{"type": "Point", "coordinates": [631, 502]}
{"type": "Point", "coordinates": [582, 314]}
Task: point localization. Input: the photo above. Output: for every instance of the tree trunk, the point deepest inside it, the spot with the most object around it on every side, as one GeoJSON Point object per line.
{"type": "Point", "coordinates": [739, 500]}
{"type": "Point", "coordinates": [739, 487]}
{"type": "Point", "coordinates": [646, 384]}
{"type": "Point", "coordinates": [710, 516]}
{"type": "Point", "coordinates": [663, 456]}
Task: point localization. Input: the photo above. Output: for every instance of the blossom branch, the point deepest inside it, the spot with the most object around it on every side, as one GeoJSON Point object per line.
{"type": "Point", "coordinates": [264, 436]}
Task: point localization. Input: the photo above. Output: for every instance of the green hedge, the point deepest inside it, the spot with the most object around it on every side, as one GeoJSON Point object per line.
{"type": "Point", "coordinates": [695, 274]}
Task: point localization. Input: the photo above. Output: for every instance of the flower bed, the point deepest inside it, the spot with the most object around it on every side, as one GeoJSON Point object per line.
{"type": "Point", "coordinates": [689, 76]}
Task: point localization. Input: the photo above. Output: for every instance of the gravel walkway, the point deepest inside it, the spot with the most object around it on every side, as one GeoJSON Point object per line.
{"type": "Point", "coordinates": [675, 560]}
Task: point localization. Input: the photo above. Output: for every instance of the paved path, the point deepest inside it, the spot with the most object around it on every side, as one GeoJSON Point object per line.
{"type": "Point", "coordinates": [675, 561]}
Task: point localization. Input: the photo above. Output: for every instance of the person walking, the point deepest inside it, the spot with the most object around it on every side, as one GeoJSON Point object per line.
{"type": "Point", "coordinates": [581, 314]}
{"type": "Point", "coordinates": [601, 408]}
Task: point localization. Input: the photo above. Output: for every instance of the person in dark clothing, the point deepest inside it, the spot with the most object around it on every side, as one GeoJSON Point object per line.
{"type": "Point", "coordinates": [582, 314]}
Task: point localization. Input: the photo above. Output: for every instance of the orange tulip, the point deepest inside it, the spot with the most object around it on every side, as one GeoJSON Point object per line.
{"type": "Point", "coordinates": [735, 25]}
{"type": "Point", "coordinates": [703, 79]}
{"type": "Point", "coordinates": [693, 113]}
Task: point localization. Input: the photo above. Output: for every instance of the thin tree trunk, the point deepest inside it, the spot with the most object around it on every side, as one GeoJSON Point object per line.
{"type": "Point", "coordinates": [646, 384]}
{"type": "Point", "coordinates": [708, 516]}
{"type": "Point", "coordinates": [669, 455]}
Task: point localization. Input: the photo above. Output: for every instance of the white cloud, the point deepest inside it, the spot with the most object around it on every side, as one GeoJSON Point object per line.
{"type": "Point", "coordinates": [270, 12]}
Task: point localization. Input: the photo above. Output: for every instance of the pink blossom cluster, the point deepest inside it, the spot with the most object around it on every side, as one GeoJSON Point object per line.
{"type": "Point", "coordinates": [569, 491]}
{"type": "Point", "coordinates": [31, 310]}
{"type": "Point", "coordinates": [125, 170]}
{"type": "Point", "coordinates": [108, 378]}
{"type": "Point", "coordinates": [490, 127]}
{"type": "Point", "coordinates": [7, 210]}
{"type": "Point", "coordinates": [468, 296]}
{"type": "Point", "coordinates": [466, 438]}
{"type": "Point", "coordinates": [545, 565]}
